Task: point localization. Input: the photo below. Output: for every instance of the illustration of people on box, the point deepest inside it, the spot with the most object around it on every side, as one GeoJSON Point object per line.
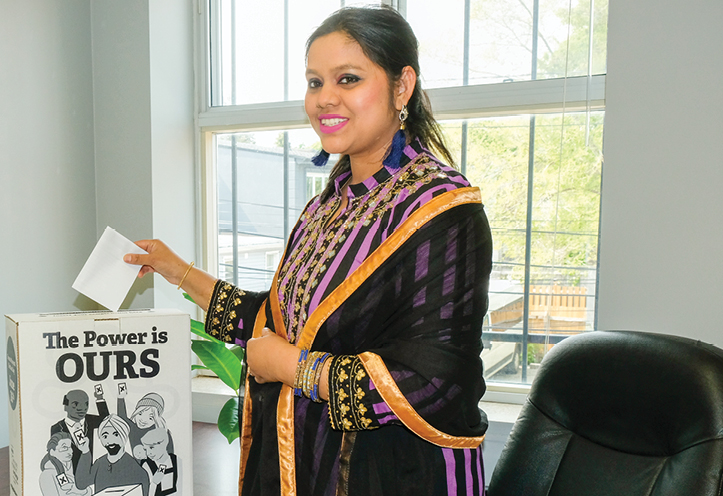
{"type": "Point", "coordinates": [116, 468]}
{"type": "Point", "coordinates": [70, 467]}
{"type": "Point", "coordinates": [57, 477]}
{"type": "Point", "coordinates": [78, 422]}
{"type": "Point", "coordinates": [162, 465]}
{"type": "Point", "coordinates": [147, 415]}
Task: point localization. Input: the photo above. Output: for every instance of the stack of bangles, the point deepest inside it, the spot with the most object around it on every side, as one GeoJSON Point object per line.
{"type": "Point", "coordinates": [308, 374]}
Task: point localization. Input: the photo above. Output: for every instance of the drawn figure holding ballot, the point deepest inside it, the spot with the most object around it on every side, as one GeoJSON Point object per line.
{"type": "Point", "coordinates": [162, 466]}
{"type": "Point", "coordinates": [57, 478]}
{"type": "Point", "coordinates": [147, 415]}
{"type": "Point", "coordinates": [115, 469]}
{"type": "Point", "coordinates": [78, 422]}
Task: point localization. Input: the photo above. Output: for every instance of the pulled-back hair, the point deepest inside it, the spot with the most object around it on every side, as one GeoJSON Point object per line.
{"type": "Point", "coordinates": [387, 39]}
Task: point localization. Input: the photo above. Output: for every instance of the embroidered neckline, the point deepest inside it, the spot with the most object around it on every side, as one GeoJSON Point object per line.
{"type": "Point", "coordinates": [411, 151]}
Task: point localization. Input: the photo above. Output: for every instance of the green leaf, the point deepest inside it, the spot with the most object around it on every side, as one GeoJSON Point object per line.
{"type": "Point", "coordinates": [200, 330]}
{"type": "Point", "coordinates": [220, 360]}
{"type": "Point", "coordinates": [188, 297]}
{"type": "Point", "coordinates": [228, 422]}
{"type": "Point", "coordinates": [199, 367]}
{"type": "Point", "coordinates": [239, 352]}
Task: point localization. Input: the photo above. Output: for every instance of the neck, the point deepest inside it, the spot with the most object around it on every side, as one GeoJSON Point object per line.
{"type": "Point", "coordinates": [116, 457]}
{"type": "Point", "coordinates": [364, 165]}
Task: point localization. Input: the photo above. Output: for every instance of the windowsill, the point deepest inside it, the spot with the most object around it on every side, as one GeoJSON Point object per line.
{"type": "Point", "coordinates": [210, 394]}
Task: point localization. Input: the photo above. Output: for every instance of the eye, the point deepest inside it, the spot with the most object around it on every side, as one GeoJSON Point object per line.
{"type": "Point", "coordinates": [314, 83]}
{"type": "Point", "coordinates": [349, 79]}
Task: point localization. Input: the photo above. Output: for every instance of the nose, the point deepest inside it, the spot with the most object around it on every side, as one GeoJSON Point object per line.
{"type": "Point", "coordinates": [327, 96]}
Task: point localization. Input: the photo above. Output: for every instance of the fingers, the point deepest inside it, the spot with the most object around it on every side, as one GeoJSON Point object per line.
{"type": "Point", "coordinates": [160, 258]}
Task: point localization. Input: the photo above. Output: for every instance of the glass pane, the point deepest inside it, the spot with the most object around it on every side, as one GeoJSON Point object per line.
{"type": "Point", "coordinates": [563, 236]}
{"type": "Point", "coordinates": [251, 48]}
{"type": "Point", "coordinates": [500, 46]}
{"type": "Point", "coordinates": [268, 199]}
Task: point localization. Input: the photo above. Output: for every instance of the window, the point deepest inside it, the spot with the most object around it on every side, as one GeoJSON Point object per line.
{"type": "Point", "coordinates": [519, 90]}
{"type": "Point", "coordinates": [315, 182]}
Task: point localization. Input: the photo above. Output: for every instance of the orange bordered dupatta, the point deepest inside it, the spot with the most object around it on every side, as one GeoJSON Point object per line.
{"type": "Point", "coordinates": [396, 323]}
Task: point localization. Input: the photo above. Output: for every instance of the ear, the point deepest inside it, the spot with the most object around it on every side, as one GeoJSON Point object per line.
{"type": "Point", "coordinates": [405, 87]}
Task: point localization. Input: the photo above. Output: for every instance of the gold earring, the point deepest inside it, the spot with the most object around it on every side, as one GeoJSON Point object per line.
{"type": "Point", "coordinates": [403, 114]}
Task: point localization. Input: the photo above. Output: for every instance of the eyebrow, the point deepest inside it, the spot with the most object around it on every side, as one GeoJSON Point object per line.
{"type": "Point", "coordinates": [339, 68]}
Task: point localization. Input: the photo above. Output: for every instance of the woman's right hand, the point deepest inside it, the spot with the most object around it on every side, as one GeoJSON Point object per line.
{"type": "Point", "coordinates": [164, 261]}
{"type": "Point", "coordinates": [160, 259]}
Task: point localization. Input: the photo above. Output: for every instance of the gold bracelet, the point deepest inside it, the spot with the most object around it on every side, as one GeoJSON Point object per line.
{"type": "Point", "coordinates": [190, 266]}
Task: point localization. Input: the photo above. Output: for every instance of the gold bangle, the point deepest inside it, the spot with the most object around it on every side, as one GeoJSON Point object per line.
{"type": "Point", "coordinates": [190, 266]}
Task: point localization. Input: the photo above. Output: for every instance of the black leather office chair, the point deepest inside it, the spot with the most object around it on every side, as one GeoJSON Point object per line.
{"type": "Point", "coordinates": [619, 413]}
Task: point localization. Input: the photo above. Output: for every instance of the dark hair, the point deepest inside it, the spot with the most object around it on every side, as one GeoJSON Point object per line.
{"type": "Point", "coordinates": [387, 39]}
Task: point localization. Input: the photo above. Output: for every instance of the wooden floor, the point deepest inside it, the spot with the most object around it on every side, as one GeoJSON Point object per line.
{"type": "Point", "coordinates": [215, 464]}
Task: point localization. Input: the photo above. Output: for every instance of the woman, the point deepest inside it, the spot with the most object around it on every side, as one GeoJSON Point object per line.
{"type": "Point", "coordinates": [364, 357]}
{"type": "Point", "coordinates": [148, 415]}
{"type": "Point", "coordinates": [56, 478]}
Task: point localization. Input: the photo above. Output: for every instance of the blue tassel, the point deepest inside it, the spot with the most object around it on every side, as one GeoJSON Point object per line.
{"type": "Point", "coordinates": [321, 158]}
{"type": "Point", "coordinates": [395, 151]}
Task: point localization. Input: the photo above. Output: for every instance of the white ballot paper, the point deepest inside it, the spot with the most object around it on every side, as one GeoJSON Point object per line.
{"type": "Point", "coordinates": [105, 277]}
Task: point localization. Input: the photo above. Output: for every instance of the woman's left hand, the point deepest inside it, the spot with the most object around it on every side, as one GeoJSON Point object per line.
{"type": "Point", "coordinates": [272, 358]}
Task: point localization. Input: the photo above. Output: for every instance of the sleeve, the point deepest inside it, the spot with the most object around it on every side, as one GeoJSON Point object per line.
{"type": "Point", "coordinates": [85, 471]}
{"type": "Point", "coordinates": [122, 410]}
{"type": "Point", "coordinates": [429, 318]}
{"type": "Point", "coordinates": [102, 407]}
{"type": "Point", "coordinates": [48, 483]}
{"type": "Point", "coordinates": [231, 313]}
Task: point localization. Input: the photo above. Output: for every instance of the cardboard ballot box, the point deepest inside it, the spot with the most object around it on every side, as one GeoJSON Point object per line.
{"type": "Point", "coordinates": [99, 403]}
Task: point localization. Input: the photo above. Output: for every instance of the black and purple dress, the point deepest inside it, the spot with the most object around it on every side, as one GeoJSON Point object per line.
{"type": "Point", "coordinates": [395, 288]}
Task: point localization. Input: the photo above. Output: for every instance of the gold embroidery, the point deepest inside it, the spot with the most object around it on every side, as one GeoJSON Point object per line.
{"type": "Point", "coordinates": [346, 408]}
{"type": "Point", "coordinates": [222, 318]}
{"type": "Point", "coordinates": [322, 239]}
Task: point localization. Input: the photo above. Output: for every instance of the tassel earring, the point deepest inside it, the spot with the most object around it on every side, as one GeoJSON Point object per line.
{"type": "Point", "coordinates": [394, 156]}
{"type": "Point", "coordinates": [321, 158]}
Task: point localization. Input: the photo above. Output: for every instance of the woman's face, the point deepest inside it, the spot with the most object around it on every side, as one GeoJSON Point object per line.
{"type": "Point", "coordinates": [145, 418]}
{"type": "Point", "coordinates": [348, 99]}
{"type": "Point", "coordinates": [63, 451]}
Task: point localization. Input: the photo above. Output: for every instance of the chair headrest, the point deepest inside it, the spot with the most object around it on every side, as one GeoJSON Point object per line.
{"type": "Point", "coordinates": [642, 393]}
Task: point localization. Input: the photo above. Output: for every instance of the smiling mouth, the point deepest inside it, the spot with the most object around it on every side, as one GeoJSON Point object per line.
{"type": "Point", "coordinates": [332, 122]}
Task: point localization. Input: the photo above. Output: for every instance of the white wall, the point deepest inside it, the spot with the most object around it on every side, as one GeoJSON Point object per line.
{"type": "Point", "coordinates": [143, 102]}
{"type": "Point", "coordinates": [47, 179]}
{"type": "Point", "coordinates": [661, 268]}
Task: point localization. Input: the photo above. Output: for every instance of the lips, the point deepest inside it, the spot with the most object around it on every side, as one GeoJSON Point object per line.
{"type": "Point", "coordinates": [330, 123]}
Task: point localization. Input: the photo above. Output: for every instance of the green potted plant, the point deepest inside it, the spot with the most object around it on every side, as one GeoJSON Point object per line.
{"type": "Point", "coordinates": [228, 363]}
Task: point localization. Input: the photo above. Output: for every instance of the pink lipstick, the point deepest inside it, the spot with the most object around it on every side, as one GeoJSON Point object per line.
{"type": "Point", "coordinates": [330, 123]}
